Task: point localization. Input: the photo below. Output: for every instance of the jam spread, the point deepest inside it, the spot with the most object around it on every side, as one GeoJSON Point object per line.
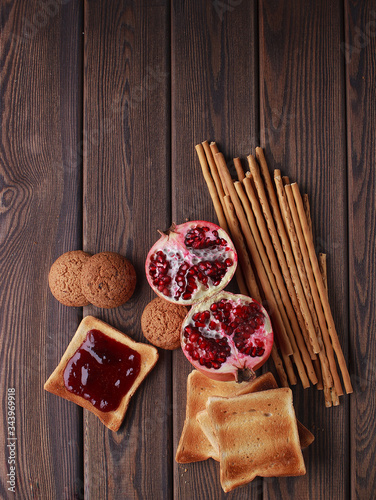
{"type": "Point", "coordinates": [102, 371]}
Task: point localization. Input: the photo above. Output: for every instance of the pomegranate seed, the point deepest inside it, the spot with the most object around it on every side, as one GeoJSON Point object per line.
{"type": "Point", "coordinates": [214, 307]}
{"type": "Point", "coordinates": [211, 355]}
{"type": "Point", "coordinates": [205, 315]}
{"type": "Point", "coordinates": [229, 262]}
{"type": "Point", "coordinates": [253, 323]}
{"type": "Point", "coordinates": [193, 337]}
{"type": "Point", "coordinates": [188, 329]}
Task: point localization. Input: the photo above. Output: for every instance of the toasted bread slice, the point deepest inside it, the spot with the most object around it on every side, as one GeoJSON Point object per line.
{"type": "Point", "coordinates": [261, 383]}
{"type": "Point", "coordinates": [257, 436]}
{"type": "Point", "coordinates": [208, 429]}
{"type": "Point", "coordinates": [194, 445]}
{"type": "Point", "coordinates": [55, 383]}
{"type": "Point", "coordinates": [264, 382]}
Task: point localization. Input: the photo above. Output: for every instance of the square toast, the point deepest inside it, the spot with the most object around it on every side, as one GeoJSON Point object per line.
{"type": "Point", "coordinates": [55, 383]}
{"type": "Point", "coordinates": [194, 445]}
{"type": "Point", "coordinates": [257, 436]}
{"type": "Point", "coordinates": [197, 441]}
{"type": "Point", "coordinates": [262, 383]}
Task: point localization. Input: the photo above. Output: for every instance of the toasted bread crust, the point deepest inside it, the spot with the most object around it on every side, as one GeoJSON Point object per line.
{"type": "Point", "coordinates": [243, 423]}
{"type": "Point", "coordinates": [264, 383]}
{"type": "Point", "coordinates": [194, 445]}
{"type": "Point", "coordinates": [197, 441]}
{"type": "Point", "coordinates": [207, 428]}
{"type": "Point", "coordinates": [55, 383]}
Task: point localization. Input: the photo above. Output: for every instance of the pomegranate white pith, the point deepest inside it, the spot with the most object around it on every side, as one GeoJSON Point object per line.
{"type": "Point", "coordinates": [190, 262]}
{"type": "Point", "coordinates": [227, 336]}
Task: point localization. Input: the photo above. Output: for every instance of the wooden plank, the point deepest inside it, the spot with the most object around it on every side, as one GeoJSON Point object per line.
{"type": "Point", "coordinates": [40, 199]}
{"type": "Point", "coordinates": [126, 199]}
{"type": "Point", "coordinates": [214, 97]}
{"type": "Point", "coordinates": [359, 49]}
{"type": "Point", "coordinates": [302, 123]}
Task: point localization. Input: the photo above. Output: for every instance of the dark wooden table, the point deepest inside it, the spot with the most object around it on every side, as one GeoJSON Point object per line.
{"type": "Point", "coordinates": [101, 105]}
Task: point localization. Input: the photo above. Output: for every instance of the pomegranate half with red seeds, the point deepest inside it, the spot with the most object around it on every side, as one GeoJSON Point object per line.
{"type": "Point", "coordinates": [227, 337]}
{"type": "Point", "coordinates": [191, 261]}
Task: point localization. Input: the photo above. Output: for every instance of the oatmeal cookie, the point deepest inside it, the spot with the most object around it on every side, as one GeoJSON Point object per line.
{"type": "Point", "coordinates": [161, 323]}
{"type": "Point", "coordinates": [64, 278]}
{"type": "Point", "coordinates": [108, 280]}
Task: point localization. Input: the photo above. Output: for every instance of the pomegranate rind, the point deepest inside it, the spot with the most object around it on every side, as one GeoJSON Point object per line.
{"type": "Point", "coordinates": [238, 365]}
{"type": "Point", "coordinates": [173, 248]}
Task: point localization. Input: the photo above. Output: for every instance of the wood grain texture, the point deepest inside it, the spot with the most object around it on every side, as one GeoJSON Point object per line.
{"type": "Point", "coordinates": [302, 122]}
{"type": "Point", "coordinates": [359, 49]}
{"type": "Point", "coordinates": [101, 105]}
{"type": "Point", "coordinates": [126, 199]}
{"type": "Point", "coordinates": [40, 201]}
{"type": "Point", "coordinates": [214, 97]}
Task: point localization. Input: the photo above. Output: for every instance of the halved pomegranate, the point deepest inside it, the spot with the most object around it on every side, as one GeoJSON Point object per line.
{"type": "Point", "coordinates": [191, 261]}
{"type": "Point", "coordinates": [227, 336]}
